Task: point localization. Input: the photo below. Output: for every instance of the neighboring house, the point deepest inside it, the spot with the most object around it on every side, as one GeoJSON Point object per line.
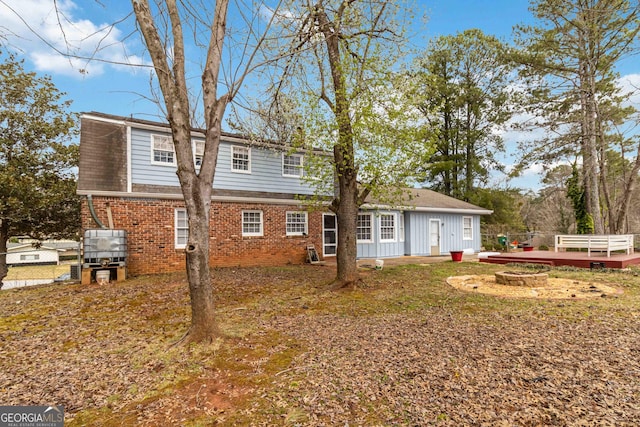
{"type": "Point", "coordinates": [258, 215]}
{"type": "Point", "coordinates": [27, 254]}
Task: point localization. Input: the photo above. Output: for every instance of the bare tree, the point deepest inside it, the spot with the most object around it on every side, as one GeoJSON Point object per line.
{"type": "Point", "coordinates": [163, 33]}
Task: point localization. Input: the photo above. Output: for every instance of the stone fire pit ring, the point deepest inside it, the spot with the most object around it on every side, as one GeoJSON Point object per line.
{"type": "Point", "coordinates": [522, 278]}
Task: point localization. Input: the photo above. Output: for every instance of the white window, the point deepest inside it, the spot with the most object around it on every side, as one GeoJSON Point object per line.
{"type": "Point", "coordinates": [401, 226]}
{"type": "Point", "coordinates": [241, 159]}
{"type": "Point", "coordinates": [292, 165]}
{"type": "Point", "coordinates": [296, 223]}
{"type": "Point", "coordinates": [181, 228]}
{"type": "Point", "coordinates": [364, 228]}
{"type": "Point", "coordinates": [252, 223]}
{"type": "Point", "coordinates": [467, 228]}
{"type": "Point", "coordinates": [198, 152]}
{"type": "Point", "coordinates": [388, 228]}
{"type": "Point", "coordinates": [30, 257]}
{"type": "Point", "coordinates": [162, 150]}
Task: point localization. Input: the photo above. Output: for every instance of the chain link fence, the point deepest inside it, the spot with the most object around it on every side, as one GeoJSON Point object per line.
{"type": "Point", "coordinates": [37, 266]}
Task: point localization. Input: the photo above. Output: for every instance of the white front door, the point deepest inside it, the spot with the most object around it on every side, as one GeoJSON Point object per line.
{"type": "Point", "coordinates": [329, 234]}
{"type": "Point", "coordinates": [434, 237]}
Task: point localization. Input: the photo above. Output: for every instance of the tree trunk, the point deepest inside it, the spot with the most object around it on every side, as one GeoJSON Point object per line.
{"type": "Point", "coordinates": [347, 216]}
{"type": "Point", "coordinates": [4, 237]}
{"type": "Point", "coordinates": [589, 146]}
{"type": "Point", "coordinates": [197, 190]}
{"type": "Point", "coordinates": [203, 321]}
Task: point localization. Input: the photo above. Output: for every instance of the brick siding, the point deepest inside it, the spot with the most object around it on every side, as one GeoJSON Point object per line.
{"type": "Point", "coordinates": [151, 236]}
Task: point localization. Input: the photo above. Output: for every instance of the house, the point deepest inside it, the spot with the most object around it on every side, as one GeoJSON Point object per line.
{"type": "Point", "coordinates": [258, 214]}
{"type": "Point", "coordinates": [27, 254]}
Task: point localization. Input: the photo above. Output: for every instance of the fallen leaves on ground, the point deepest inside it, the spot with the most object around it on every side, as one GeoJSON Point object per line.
{"type": "Point", "coordinates": [402, 349]}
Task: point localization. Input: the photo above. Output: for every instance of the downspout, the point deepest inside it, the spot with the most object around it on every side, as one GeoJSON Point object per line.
{"type": "Point", "coordinates": [93, 212]}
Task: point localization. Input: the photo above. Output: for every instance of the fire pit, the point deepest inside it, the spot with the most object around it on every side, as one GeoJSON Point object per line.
{"type": "Point", "coordinates": [521, 278]}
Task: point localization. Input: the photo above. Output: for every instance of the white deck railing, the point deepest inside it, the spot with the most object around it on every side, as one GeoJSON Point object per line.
{"type": "Point", "coordinates": [598, 243]}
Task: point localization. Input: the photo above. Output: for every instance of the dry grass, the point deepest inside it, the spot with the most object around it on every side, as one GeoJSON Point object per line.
{"type": "Point", "coordinates": [404, 348]}
{"type": "Point", "coordinates": [36, 272]}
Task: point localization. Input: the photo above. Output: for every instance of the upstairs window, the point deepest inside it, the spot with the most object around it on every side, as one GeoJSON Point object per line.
{"type": "Point", "coordinates": [198, 152]}
{"type": "Point", "coordinates": [162, 150]}
{"type": "Point", "coordinates": [387, 228]}
{"type": "Point", "coordinates": [364, 228]}
{"type": "Point", "coordinates": [241, 159]}
{"type": "Point", "coordinates": [296, 223]}
{"type": "Point", "coordinates": [252, 223]}
{"type": "Point", "coordinates": [292, 165]}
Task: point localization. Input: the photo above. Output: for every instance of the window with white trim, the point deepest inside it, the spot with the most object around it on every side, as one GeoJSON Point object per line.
{"type": "Point", "coordinates": [252, 223]}
{"type": "Point", "coordinates": [467, 228]}
{"type": "Point", "coordinates": [387, 227]}
{"type": "Point", "coordinates": [364, 228]}
{"type": "Point", "coordinates": [181, 228]}
{"type": "Point", "coordinates": [292, 165]}
{"type": "Point", "coordinates": [30, 257]}
{"type": "Point", "coordinates": [296, 223]}
{"type": "Point", "coordinates": [198, 152]}
{"type": "Point", "coordinates": [240, 159]}
{"type": "Point", "coordinates": [401, 226]}
{"type": "Point", "coordinates": [162, 152]}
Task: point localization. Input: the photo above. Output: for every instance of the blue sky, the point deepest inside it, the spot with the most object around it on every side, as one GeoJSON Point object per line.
{"type": "Point", "coordinates": [31, 28]}
{"type": "Point", "coordinates": [116, 89]}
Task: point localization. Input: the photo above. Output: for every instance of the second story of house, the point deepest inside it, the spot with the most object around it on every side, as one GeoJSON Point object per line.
{"type": "Point", "coordinates": [122, 156]}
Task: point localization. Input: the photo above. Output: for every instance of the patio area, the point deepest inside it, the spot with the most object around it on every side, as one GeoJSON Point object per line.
{"type": "Point", "coordinates": [568, 258]}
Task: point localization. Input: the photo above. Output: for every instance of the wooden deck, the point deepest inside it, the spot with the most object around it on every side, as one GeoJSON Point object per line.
{"type": "Point", "coordinates": [575, 259]}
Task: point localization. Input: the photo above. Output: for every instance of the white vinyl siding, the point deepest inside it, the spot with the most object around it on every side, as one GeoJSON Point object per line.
{"type": "Point", "coordinates": [240, 159]}
{"type": "Point", "coordinates": [292, 165]}
{"type": "Point", "coordinates": [364, 228]}
{"type": "Point", "coordinates": [387, 227]}
{"type": "Point", "coordinates": [296, 223]}
{"type": "Point", "coordinates": [181, 228]}
{"type": "Point", "coordinates": [467, 228]}
{"type": "Point", "coordinates": [252, 223]}
{"type": "Point", "coordinates": [162, 152]}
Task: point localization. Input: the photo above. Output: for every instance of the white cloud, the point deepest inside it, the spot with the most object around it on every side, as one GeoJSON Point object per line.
{"type": "Point", "coordinates": [630, 84]}
{"type": "Point", "coordinates": [59, 41]}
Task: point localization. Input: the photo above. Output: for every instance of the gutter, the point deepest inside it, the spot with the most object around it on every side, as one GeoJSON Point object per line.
{"type": "Point", "coordinates": [93, 212]}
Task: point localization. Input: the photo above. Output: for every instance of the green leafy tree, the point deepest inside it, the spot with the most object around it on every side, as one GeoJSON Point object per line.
{"type": "Point", "coordinates": [462, 86]}
{"type": "Point", "coordinates": [570, 58]}
{"type": "Point", "coordinates": [342, 76]}
{"type": "Point", "coordinates": [505, 204]}
{"type": "Point", "coordinates": [37, 195]}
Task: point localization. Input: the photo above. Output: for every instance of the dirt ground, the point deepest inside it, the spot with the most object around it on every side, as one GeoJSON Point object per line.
{"type": "Point", "coordinates": [556, 288]}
